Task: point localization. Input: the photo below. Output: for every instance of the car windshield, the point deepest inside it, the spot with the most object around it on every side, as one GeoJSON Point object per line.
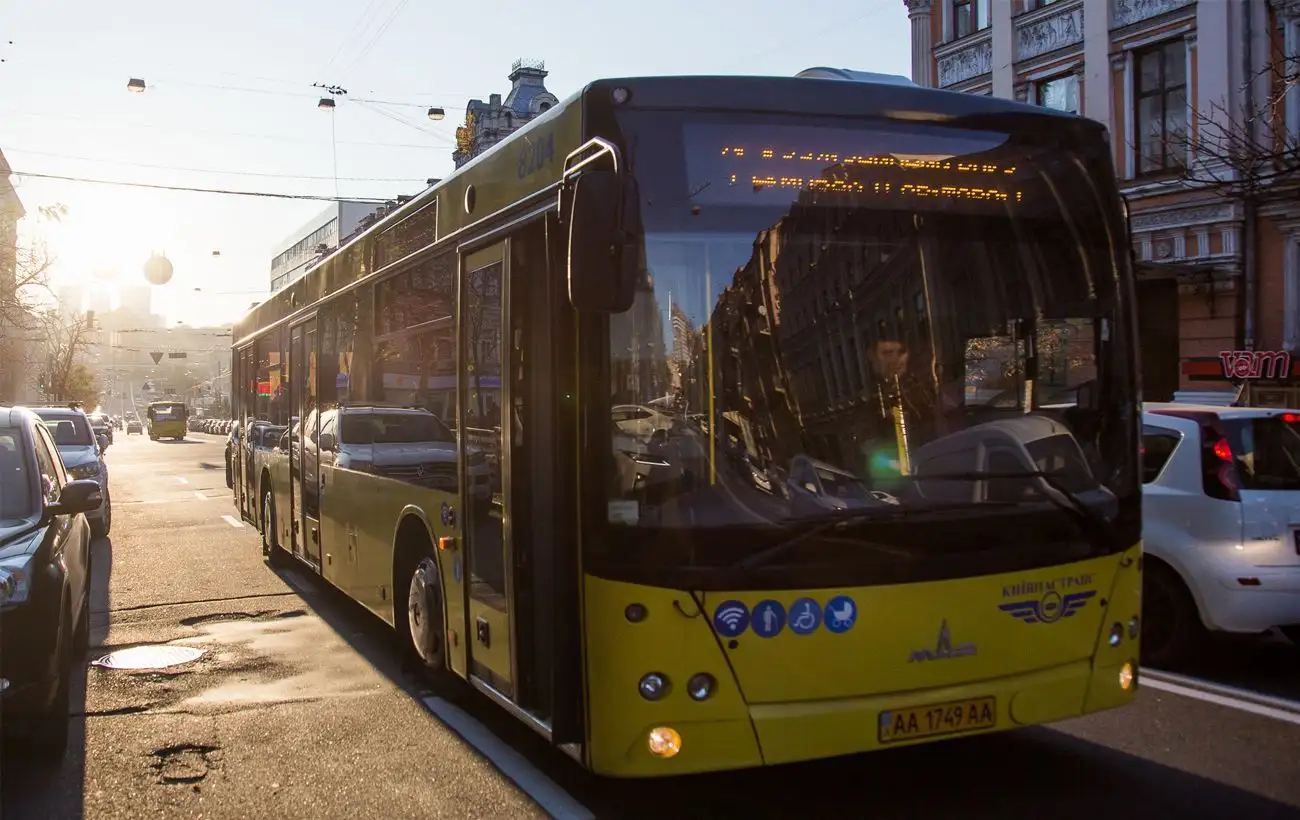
{"type": "Point", "coordinates": [16, 477]}
{"type": "Point", "coordinates": [1267, 450]}
{"type": "Point", "coordinates": [67, 429]}
{"type": "Point", "coordinates": [832, 310]}
{"type": "Point", "coordinates": [393, 428]}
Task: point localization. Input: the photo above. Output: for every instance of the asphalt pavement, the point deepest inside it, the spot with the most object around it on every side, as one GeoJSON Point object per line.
{"type": "Point", "coordinates": [297, 708]}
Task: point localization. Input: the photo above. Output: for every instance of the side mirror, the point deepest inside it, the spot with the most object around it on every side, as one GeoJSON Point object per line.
{"type": "Point", "coordinates": [103, 442]}
{"type": "Point", "coordinates": [328, 442]}
{"type": "Point", "coordinates": [81, 496]}
{"type": "Point", "coordinates": [604, 257]}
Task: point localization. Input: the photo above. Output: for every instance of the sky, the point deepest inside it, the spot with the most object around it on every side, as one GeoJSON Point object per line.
{"type": "Point", "coordinates": [230, 105]}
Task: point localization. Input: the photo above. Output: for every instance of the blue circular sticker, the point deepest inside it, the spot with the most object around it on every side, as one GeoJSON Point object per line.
{"type": "Point", "coordinates": [805, 616]}
{"type": "Point", "coordinates": [841, 614]}
{"type": "Point", "coordinates": [730, 618]}
{"type": "Point", "coordinates": [768, 618]}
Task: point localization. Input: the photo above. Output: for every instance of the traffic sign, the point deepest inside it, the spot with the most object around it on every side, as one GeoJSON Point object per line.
{"type": "Point", "coordinates": [156, 356]}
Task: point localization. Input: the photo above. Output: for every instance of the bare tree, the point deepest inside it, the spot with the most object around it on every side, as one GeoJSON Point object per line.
{"type": "Point", "coordinates": [1248, 153]}
{"type": "Point", "coordinates": [66, 338]}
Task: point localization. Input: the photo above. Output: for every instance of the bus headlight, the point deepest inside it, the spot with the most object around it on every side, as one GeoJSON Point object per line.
{"type": "Point", "coordinates": [664, 742]}
{"type": "Point", "coordinates": [1127, 676]}
{"type": "Point", "coordinates": [700, 686]}
{"type": "Point", "coordinates": [653, 686]}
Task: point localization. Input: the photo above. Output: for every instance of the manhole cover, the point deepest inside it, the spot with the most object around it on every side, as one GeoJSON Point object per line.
{"type": "Point", "coordinates": [160, 656]}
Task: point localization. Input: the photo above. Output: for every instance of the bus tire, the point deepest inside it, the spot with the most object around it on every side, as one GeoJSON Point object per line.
{"type": "Point", "coordinates": [1171, 623]}
{"type": "Point", "coordinates": [418, 605]}
{"type": "Point", "coordinates": [271, 549]}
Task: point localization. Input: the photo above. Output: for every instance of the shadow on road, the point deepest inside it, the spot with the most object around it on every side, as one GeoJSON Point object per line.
{"type": "Point", "coordinates": [1269, 664]}
{"type": "Point", "coordinates": [26, 787]}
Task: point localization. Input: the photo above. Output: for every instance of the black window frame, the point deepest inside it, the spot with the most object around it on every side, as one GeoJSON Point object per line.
{"type": "Point", "coordinates": [1169, 160]}
{"type": "Point", "coordinates": [1154, 431]}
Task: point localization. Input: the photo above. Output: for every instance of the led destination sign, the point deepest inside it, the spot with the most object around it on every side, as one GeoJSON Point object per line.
{"type": "Point", "coordinates": [945, 169]}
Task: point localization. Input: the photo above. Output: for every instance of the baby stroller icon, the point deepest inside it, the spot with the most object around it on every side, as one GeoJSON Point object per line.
{"type": "Point", "coordinates": [841, 617]}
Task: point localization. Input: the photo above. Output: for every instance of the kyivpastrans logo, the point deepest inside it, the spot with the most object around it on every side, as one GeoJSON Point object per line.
{"type": "Point", "coordinates": [1046, 602]}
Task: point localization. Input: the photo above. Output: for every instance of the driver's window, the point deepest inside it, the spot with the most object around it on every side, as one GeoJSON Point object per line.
{"type": "Point", "coordinates": [50, 466]}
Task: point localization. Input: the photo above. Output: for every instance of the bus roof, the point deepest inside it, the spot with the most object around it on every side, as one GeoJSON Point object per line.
{"type": "Point", "coordinates": [530, 160]}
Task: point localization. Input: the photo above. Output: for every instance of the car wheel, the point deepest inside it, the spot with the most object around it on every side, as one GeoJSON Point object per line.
{"type": "Point", "coordinates": [271, 551]}
{"type": "Point", "coordinates": [100, 526]}
{"type": "Point", "coordinates": [1171, 624]}
{"type": "Point", "coordinates": [49, 738]}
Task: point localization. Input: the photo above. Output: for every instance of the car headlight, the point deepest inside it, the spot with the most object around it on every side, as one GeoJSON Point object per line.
{"type": "Point", "coordinates": [15, 579]}
{"type": "Point", "coordinates": [85, 470]}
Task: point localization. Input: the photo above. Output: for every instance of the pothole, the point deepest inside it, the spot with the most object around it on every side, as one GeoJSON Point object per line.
{"type": "Point", "coordinates": [195, 620]}
{"type": "Point", "coordinates": [157, 656]}
{"type": "Point", "coordinates": [184, 762]}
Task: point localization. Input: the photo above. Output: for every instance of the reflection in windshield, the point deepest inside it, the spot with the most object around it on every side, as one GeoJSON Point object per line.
{"type": "Point", "coordinates": [68, 430]}
{"type": "Point", "coordinates": [393, 428]}
{"type": "Point", "coordinates": [812, 342]}
{"type": "Point", "coordinates": [15, 480]}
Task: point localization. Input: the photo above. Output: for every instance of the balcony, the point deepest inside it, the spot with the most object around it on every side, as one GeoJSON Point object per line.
{"type": "Point", "coordinates": [1052, 27]}
{"type": "Point", "coordinates": [965, 59]}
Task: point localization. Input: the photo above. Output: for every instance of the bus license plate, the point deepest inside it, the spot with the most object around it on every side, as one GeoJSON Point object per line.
{"type": "Point", "coordinates": [938, 719]}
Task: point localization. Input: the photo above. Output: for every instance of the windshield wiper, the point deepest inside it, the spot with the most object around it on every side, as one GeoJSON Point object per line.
{"type": "Point", "coordinates": [1097, 527]}
{"type": "Point", "coordinates": [842, 520]}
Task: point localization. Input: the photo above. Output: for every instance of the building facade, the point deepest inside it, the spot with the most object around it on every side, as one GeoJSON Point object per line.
{"type": "Point", "coordinates": [309, 244]}
{"type": "Point", "coordinates": [15, 323]}
{"type": "Point", "coordinates": [1203, 106]}
{"type": "Point", "coordinates": [487, 123]}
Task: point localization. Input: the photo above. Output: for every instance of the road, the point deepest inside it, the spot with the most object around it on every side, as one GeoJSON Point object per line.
{"type": "Point", "coordinates": [297, 709]}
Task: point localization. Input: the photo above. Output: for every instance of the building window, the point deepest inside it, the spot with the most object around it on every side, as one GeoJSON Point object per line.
{"type": "Point", "coordinates": [1162, 107]}
{"type": "Point", "coordinates": [1060, 93]}
{"type": "Point", "coordinates": [969, 16]}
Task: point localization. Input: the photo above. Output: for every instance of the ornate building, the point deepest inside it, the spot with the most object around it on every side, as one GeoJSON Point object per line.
{"type": "Point", "coordinates": [488, 123]}
{"type": "Point", "coordinates": [1214, 202]}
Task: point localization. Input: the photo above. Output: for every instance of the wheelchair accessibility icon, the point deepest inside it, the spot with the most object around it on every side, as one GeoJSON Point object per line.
{"type": "Point", "coordinates": [805, 616]}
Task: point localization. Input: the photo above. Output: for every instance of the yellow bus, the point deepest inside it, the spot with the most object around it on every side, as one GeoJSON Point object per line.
{"type": "Point", "coordinates": [167, 419]}
{"type": "Point", "coordinates": [718, 422]}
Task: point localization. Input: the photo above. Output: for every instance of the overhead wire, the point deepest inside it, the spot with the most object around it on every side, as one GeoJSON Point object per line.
{"type": "Point", "coordinates": [397, 9]}
{"type": "Point", "coordinates": [105, 161]}
{"type": "Point", "coordinates": [222, 191]}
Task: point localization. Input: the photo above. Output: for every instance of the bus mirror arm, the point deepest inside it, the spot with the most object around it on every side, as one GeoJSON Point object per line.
{"type": "Point", "coordinates": [604, 256]}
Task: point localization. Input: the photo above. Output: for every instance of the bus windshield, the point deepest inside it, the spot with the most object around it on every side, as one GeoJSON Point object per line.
{"type": "Point", "coordinates": [834, 309]}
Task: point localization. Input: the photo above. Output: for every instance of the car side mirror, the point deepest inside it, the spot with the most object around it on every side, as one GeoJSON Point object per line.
{"type": "Point", "coordinates": [604, 256]}
{"type": "Point", "coordinates": [81, 496]}
{"type": "Point", "coordinates": [103, 442]}
{"type": "Point", "coordinates": [328, 442]}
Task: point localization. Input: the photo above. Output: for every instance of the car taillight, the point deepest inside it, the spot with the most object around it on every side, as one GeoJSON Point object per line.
{"type": "Point", "coordinates": [1219, 475]}
{"type": "Point", "coordinates": [1291, 418]}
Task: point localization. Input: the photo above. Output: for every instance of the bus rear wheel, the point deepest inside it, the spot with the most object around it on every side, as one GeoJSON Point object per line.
{"type": "Point", "coordinates": [271, 551]}
{"type": "Point", "coordinates": [419, 619]}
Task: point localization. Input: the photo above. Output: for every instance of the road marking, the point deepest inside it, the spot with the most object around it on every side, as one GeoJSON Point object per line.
{"type": "Point", "coordinates": [200, 496]}
{"type": "Point", "coordinates": [1286, 715]}
{"type": "Point", "coordinates": [231, 520]}
{"type": "Point", "coordinates": [554, 800]}
{"type": "Point", "coordinates": [182, 479]}
{"type": "Point", "coordinates": [1233, 692]}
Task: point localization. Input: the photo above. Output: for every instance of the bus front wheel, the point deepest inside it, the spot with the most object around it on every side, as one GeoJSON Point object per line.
{"type": "Point", "coordinates": [419, 618]}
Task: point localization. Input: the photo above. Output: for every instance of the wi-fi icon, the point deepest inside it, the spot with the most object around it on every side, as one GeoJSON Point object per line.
{"type": "Point", "coordinates": [732, 617]}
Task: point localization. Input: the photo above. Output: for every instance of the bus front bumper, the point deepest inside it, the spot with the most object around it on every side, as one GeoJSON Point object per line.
{"type": "Point", "coordinates": [779, 733]}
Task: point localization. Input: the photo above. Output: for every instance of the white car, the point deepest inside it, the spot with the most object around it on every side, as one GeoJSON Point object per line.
{"type": "Point", "coordinates": [1221, 524]}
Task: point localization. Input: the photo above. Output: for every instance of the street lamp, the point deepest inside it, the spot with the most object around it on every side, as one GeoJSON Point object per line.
{"type": "Point", "coordinates": [436, 113]}
{"type": "Point", "coordinates": [135, 85]}
{"type": "Point", "coordinates": [325, 104]}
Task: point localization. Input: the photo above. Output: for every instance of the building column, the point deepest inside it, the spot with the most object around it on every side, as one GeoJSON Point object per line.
{"type": "Point", "coordinates": [1291, 292]}
{"type": "Point", "coordinates": [918, 12]}
{"type": "Point", "coordinates": [1004, 49]}
{"type": "Point", "coordinates": [1288, 18]}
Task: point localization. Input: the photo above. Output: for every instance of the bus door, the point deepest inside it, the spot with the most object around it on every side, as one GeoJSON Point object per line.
{"type": "Point", "coordinates": [241, 457]}
{"type": "Point", "coordinates": [304, 472]}
{"type": "Point", "coordinates": [518, 478]}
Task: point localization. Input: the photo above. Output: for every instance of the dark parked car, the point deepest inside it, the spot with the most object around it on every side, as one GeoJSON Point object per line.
{"type": "Point", "coordinates": [45, 564]}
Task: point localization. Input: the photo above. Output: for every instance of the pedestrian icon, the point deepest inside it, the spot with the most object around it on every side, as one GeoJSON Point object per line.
{"type": "Point", "coordinates": [768, 618]}
{"type": "Point", "coordinates": [805, 616]}
{"type": "Point", "coordinates": [841, 614]}
{"type": "Point", "coordinates": [730, 618]}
